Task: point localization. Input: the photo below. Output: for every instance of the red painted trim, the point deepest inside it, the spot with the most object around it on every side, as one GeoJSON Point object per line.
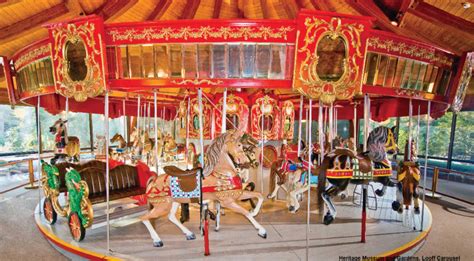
{"type": "Point", "coordinates": [149, 84]}
{"type": "Point", "coordinates": [29, 48]}
{"type": "Point", "coordinates": [9, 80]}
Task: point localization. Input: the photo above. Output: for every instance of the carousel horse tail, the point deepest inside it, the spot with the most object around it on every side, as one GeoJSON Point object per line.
{"type": "Point", "coordinates": [184, 213]}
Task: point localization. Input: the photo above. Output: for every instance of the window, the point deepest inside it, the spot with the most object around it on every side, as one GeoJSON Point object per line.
{"type": "Point", "coordinates": [17, 129]}
{"type": "Point", "coordinates": [463, 147]}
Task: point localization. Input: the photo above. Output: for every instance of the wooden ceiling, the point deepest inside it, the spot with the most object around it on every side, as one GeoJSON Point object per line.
{"type": "Point", "coordinates": [444, 23]}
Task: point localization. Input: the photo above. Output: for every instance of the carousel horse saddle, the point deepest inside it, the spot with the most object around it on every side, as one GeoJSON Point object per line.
{"type": "Point", "coordinates": [187, 179]}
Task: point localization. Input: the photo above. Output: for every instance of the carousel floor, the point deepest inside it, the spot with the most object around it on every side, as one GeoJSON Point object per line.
{"type": "Point", "coordinates": [388, 233]}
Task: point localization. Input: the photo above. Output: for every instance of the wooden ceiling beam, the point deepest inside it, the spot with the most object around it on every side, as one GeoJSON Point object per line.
{"type": "Point", "coordinates": [33, 21]}
{"type": "Point", "coordinates": [159, 10]}
{"type": "Point", "coordinates": [290, 13]}
{"type": "Point", "coordinates": [367, 7]}
{"type": "Point", "coordinates": [437, 16]}
{"type": "Point", "coordinates": [217, 9]}
{"type": "Point", "coordinates": [110, 8]}
{"type": "Point", "coordinates": [323, 5]}
{"type": "Point", "coordinates": [190, 9]}
{"type": "Point", "coordinates": [264, 7]}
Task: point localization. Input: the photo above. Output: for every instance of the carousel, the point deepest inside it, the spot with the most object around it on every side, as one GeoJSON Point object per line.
{"type": "Point", "coordinates": [235, 123]}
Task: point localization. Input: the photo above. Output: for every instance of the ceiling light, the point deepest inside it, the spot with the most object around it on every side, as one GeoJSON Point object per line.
{"type": "Point", "coordinates": [466, 5]}
{"type": "Point", "coordinates": [394, 23]}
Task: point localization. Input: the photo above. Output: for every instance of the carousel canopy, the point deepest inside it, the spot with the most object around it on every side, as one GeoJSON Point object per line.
{"type": "Point", "coordinates": [447, 25]}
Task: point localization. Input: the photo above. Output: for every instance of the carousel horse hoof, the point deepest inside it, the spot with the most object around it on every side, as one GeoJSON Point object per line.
{"type": "Point", "coordinates": [269, 196]}
{"type": "Point", "coordinates": [216, 229]}
{"type": "Point", "coordinates": [343, 196]}
{"type": "Point", "coordinates": [396, 206]}
{"type": "Point", "coordinates": [191, 237]}
{"type": "Point", "coordinates": [212, 216]}
{"type": "Point", "coordinates": [291, 209]}
{"type": "Point", "coordinates": [262, 235]}
{"type": "Point", "coordinates": [328, 219]}
{"type": "Point", "coordinates": [158, 244]}
{"type": "Point", "coordinates": [417, 210]}
{"type": "Point", "coordinates": [379, 192]}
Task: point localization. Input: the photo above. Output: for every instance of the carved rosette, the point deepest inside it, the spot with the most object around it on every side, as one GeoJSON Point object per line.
{"type": "Point", "coordinates": [86, 38]}
{"type": "Point", "coordinates": [267, 108]}
{"type": "Point", "coordinates": [308, 79]}
{"type": "Point", "coordinates": [235, 106]}
{"type": "Point", "coordinates": [287, 120]}
{"type": "Point", "coordinates": [464, 80]}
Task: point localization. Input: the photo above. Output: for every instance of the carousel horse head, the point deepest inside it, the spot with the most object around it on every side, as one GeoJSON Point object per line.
{"type": "Point", "coordinates": [116, 137]}
{"type": "Point", "coordinates": [230, 146]}
{"type": "Point", "coordinates": [413, 152]}
{"type": "Point", "coordinates": [58, 126]}
{"type": "Point", "coordinates": [381, 141]}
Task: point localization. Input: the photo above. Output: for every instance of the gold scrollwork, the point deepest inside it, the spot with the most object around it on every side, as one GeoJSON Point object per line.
{"type": "Point", "coordinates": [410, 50]}
{"type": "Point", "coordinates": [197, 82]}
{"type": "Point", "coordinates": [31, 56]}
{"type": "Point", "coordinates": [343, 88]}
{"type": "Point", "coordinates": [91, 85]}
{"type": "Point", "coordinates": [203, 32]}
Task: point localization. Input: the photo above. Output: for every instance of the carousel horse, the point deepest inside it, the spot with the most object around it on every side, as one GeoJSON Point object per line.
{"type": "Point", "coordinates": [143, 145]}
{"type": "Point", "coordinates": [290, 175]}
{"type": "Point", "coordinates": [66, 147]}
{"type": "Point", "coordinates": [223, 161]}
{"type": "Point", "coordinates": [408, 176]}
{"type": "Point", "coordinates": [171, 149]}
{"type": "Point", "coordinates": [343, 166]}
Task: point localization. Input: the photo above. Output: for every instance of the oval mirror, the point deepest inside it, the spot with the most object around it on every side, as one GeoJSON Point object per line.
{"type": "Point", "coordinates": [76, 59]}
{"type": "Point", "coordinates": [332, 54]}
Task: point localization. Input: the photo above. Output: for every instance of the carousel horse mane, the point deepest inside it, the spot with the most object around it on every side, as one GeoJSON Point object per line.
{"type": "Point", "coordinates": [376, 143]}
{"type": "Point", "coordinates": [212, 154]}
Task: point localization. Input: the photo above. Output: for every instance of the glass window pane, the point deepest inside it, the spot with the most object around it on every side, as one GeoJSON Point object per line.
{"type": "Point", "coordinates": [414, 75]}
{"type": "Point", "coordinates": [18, 129]}
{"type": "Point", "coordinates": [248, 60]}
{"type": "Point", "coordinates": [381, 70]}
{"type": "Point", "coordinates": [123, 59]}
{"type": "Point", "coordinates": [162, 61]}
{"type": "Point", "coordinates": [463, 147]}
{"type": "Point", "coordinates": [49, 72]}
{"type": "Point", "coordinates": [371, 67]}
{"type": "Point", "coordinates": [434, 75]}
{"type": "Point", "coordinates": [399, 72]}
{"type": "Point", "coordinates": [263, 60]}
{"type": "Point", "coordinates": [234, 61]}
{"type": "Point", "coordinates": [148, 62]}
{"type": "Point", "coordinates": [277, 68]}
{"type": "Point", "coordinates": [407, 73]}
{"type": "Point", "coordinates": [421, 75]}
{"type": "Point", "coordinates": [427, 77]}
{"type": "Point", "coordinates": [115, 126]}
{"type": "Point", "coordinates": [32, 76]}
{"type": "Point", "coordinates": [39, 74]}
{"type": "Point", "coordinates": [389, 76]}
{"type": "Point", "coordinates": [190, 59]}
{"type": "Point", "coordinates": [204, 62]}
{"type": "Point", "coordinates": [218, 61]}
{"type": "Point", "coordinates": [290, 57]}
{"type": "Point", "coordinates": [176, 60]}
{"type": "Point", "coordinates": [135, 55]}
{"type": "Point", "coordinates": [444, 82]}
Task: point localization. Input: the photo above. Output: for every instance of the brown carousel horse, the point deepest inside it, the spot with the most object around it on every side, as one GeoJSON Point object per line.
{"type": "Point", "coordinates": [223, 161]}
{"type": "Point", "coordinates": [143, 145]}
{"type": "Point", "coordinates": [66, 147]}
{"type": "Point", "coordinates": [343, 166]}
{"type": "Point", "coordinates": [408, 176]}
{"type": "Point", "coordinates": [171, 149]}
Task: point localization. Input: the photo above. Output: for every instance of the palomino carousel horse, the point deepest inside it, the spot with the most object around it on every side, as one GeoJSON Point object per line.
{"type": "Point", "coordinates": [343, 166]}
{"type": "Point", "coordinates": [122, 152]}
{"type": "Point", "coordinates": [223, 160]}
{"type": "Point", "coordinates": [171, 149]}
{"type": "Point", "coordinates": [408, 176]}
{"type": "Point", "coordinates": [143, 145]}
{"type": "Point", "coordinates": [66, 147]}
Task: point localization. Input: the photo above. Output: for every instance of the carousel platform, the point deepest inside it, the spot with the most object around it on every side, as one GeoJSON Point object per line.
{"type": "Point", "coordinates": [388, 234]}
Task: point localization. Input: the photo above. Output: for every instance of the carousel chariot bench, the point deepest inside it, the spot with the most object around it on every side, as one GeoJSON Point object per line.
{"type": "Point", "coordinates": [85, 185]}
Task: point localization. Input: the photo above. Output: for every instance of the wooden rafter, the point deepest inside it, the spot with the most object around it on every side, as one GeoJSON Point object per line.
{"type": "Point", "coordinates": [437, 16]}
{"type": "Point", "coordinates": [34, 20]}
{"type": "Point", "coordinates": [367, 7]}
{"type": "Point", "coordinates": [159, 10]}
{"type": "Point", "coordinates": [323, 5]}
{"type": "Point", "coordinates": [217, 9]}
{"type": "Point", "coordinates": [264, 7]}
{"type": "Point", "coordinates": [110, 8]}
{"type": "Point", "coordinates": [190, 9]}
{"type": "Point", "coordinates": [289, 11]}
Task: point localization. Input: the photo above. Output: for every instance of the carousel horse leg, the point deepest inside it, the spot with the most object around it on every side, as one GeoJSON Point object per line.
{"type": "Point", "coordinates": [172, 217]}
{"type": "Point", "coordinates": [218, 216]}
{"type": "Point", "coordinates": [251, 194]}
{"type": "Point", "coordinates": [415, 200]}
{"type": "Point", "coordinates": [239, 209]}
{"type": "Point", "coordinates": [331, 214]}
{"type": "Point", "coordinates": [397, 205]}
{"type": "Point", "coordinates": [275, 191]}
{"type": "Point", "coordinates": [154, 213]}
{"type": "Point", "coordinates": [293, 195]}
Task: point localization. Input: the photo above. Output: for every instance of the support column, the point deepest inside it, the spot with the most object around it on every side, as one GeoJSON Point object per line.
{"type": "Point", "coordinates": [308, 211]}
{"type": "Point", "coordinates": [426, 162]}
{"type": "Point", "coordinates": [451, 140]}
{"type": "Point", "coordinates": [107, 167]}
{"type": "Point", "coordinates": [300, 125]}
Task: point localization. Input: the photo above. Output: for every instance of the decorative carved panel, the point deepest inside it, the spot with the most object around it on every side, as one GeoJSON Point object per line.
{"type": "Point", "coordinates": [329, 55]}
{"type": "Point", "coordinates": [287, 120]}
{"type": "Point", "coordinates": [79, 57]}
{"type": "Point", "coordinates": [194, 119]}
{"type": "Point", "coordinates": [268, 109]}
{"type": "Point", "coordinates": [237, 114]}
{"type": "Point", "coordinates": [463, 83]}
